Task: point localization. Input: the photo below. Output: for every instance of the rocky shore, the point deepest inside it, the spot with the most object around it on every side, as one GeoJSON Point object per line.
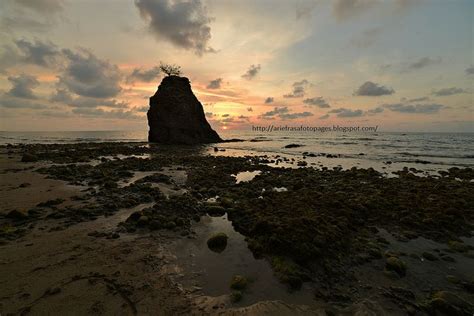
{"type": "Point", "coordinates": [93, 221]}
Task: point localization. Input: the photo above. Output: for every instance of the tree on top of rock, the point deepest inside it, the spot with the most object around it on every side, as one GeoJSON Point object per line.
{"type": "Point", "coordinates": [170, 70]}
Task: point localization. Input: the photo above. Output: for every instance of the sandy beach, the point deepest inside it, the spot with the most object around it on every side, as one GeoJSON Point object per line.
{"type": "Point", "coordinates": [126, 235]}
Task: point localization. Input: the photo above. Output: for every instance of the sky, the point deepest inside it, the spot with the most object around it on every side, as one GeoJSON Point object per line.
{"type": "Point", "coordinates": [403, 65]}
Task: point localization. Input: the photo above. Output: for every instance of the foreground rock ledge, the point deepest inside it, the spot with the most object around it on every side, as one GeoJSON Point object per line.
{"type": "Point", "coordinates": [176, 116]}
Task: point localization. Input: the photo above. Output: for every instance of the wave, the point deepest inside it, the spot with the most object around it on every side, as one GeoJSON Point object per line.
{"type": "Point", "coordinates": [407, 154]}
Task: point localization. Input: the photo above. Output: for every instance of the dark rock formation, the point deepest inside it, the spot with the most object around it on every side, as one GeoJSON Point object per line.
{"type": "Point", "coordinates": [176, 116]}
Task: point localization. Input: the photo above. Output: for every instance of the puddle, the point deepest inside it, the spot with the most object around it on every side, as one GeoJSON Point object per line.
{"type": "Point", "coordinates": [137, 175]}
{"type": "Point", "coordinates": [425, 273]}
{"type": "Point", "coordinates": [178, 177]}
{"type": "Point", "coordinates": [246, 176]}
{"type": "Point", "coordinates": [200, 267]}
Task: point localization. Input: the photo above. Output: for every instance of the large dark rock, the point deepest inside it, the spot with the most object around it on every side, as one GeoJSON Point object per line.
{"type": "Point", "coordinates": [176, 116]}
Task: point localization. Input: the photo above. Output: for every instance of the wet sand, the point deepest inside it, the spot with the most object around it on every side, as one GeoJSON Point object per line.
{"type": "Point", "coordinates": [81, 256]}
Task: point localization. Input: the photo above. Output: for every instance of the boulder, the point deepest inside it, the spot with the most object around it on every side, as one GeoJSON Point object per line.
{"type": "Point", "coordinates": [217, 242]}
{"type": "Point", "coordinates": [238, 282]}
{"type": "Point", "coordinates": [450, 304]}
{"type": "Point", "coordinates": [176, 116]}
{"type": "Point", "coordinates": [28, 157]}
{"type": "Point", "coordinates": [397, 265]}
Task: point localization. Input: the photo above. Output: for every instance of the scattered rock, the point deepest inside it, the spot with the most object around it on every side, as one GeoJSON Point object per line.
{"type": "Point", "coordinates": [429, 256]}
{"type": "Point", "coordinates": [50, 203]}
{"type": "Point", "coordinates": [450, 304]}
{"type": "Point", "coordinates": [397, 265]}
{"type": "Point", "coordinates": [215, 210]}
{"type": "Point", "coordinates": [52, 291]}
{"type": "Point", "coordinates": [458, 246]}
{"type": "Point", "coordinates": [293, 146]}
{"type": "Point", "coordinates": [217, 242]}
{"type": "Point", "coordinates": [238, 282]}
{"type": "Point", "coordinates": [28, 157]}
{"type": "Point", "coordinates": [143, 220]}
{"type": "Point", "coordinates": [236, 296]}
{"type": "Point", "coordinates": [16, 215]}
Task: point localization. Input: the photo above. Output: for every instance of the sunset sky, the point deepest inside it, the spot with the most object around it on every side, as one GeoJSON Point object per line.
{"type": "Point", "coordinates": [405, 65]}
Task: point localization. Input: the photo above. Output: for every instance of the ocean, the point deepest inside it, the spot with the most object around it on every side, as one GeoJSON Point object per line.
{"type": "Point", "coordinates": [382, 150]}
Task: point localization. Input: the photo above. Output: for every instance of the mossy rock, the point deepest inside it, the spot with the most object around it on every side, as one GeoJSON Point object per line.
{"type": "Point", "coordinates": [226, 202]}
{"type": "Point", "coordinates": [238, 282]}
{"type": "Point", "coordinates": [16, 215]}
{"type": "Point", "coordinates": [450, 304]}
{"type": "Point", "coordinates": [217, 242]}
{"type": "Point", "coordinates": [215, 210]}
{"type": "Point", "coordinates": [452, 279]}
{"type": "Point", "coordinates": [28, 157]}
{"type": "Point", "coordinates": [429, 256]}
{"type": "Point", "coordinates": [397, 265]}
{"type": "Point", "coordinates": [134, 216]}
{"type": "Point", "coordinates": [143, 220]}
{"type": "Point", "coordinates": [236, 296]}
{"type": "Point", "coordinates": [458, 246]}
{"type": "Point", "coordinates": [288, 272]}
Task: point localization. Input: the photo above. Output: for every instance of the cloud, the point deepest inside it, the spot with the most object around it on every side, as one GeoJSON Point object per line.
{"type": "Point", "coordinates": [215, 84]}
{"type": "Point", "coordinates": [269, 100]}
{"type": "Point", "coordinates": [274, 112]}
{"type": "Point", "coordinates": [11, 102]}
{"type": "Point", "coordinates": [29, 15]}
{"type": "Point", "coordinates": [184, 23]}
{"type": "Point", "coordinates": [344, 9]}
{"type": "Point", "coordinates": [252, 72]}
{"type": "Point", "coordinates": [209, 114]}
{"type": "Point", "coordinates": [319, 102]}
{"type": "Point", "coordinates": [298, 89]}
{"type": "Point", "coordinates": [250, 109]}
{"type": "Point", "coordinates": [384, 68]}
{"type": "Point", "coordinates": [144, 75]}
{"type": "Point", "coordinates": [42, 6]}
{"type": "Point", "coordinates": [343, 112]}
{"type": "Point", "coordinates": [367, 38]}
{"type": "Point", "coordinates": [22, 86]}
{"type": "Point", "coordinates": [470, 70]}
{"type": "Point", "coordinates": [423, 62]}
{"type": "Point", "coordinates": [448, 91]}
{"type": "Point", "coordinates": [88, 76]}
{"type": "Point", "coordinates": [305, 9]}
{"type": "Point", "coordinates": [375, 111]}
{"type": "Point", "coordinates": [141, 108]}
{"type": "Point", "coordinates": [292, 116]}
{"type": "Point", "coordinates": [284, 114]}
{"type": "Point", "coordinates": [415, 108]}
{"type": "Point", "coordinates": [86, 102]}
{"type": "Point", "coordinates": [61, 96]}
{"type": "Point", "coordinates": [37, 52]}
{"type": "Point", "coordinates": [421, 99]}
{"type": "Point", "coordinates": [324, 117]}
{"type": "Point", "coordinates": [372, 89]}
{"type": "Point", "coordinates": [114, 114]}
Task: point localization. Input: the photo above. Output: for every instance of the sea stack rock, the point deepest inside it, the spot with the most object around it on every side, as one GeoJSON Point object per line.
{"type": "Point", "coordinates": [176, 116]}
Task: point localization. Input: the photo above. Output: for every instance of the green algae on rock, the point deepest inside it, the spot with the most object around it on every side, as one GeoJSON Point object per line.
{"type": "Point", "coordinates": [217, 242]}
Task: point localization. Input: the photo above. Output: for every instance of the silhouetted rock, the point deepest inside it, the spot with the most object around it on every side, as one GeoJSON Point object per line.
{"type": "Point", "coordinates": [27, 157]}
{"type": "Point", "coordinates": [176, 116]}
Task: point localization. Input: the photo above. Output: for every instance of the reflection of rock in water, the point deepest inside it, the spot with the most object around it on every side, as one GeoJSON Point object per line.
{"type": "Point", "coordinates": [176, 115]}
{"type": "Point", "coordinates": [214, 272]}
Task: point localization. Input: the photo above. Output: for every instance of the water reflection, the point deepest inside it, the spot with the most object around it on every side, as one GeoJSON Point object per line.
{"type": "Point", "coordinates": [213, 271]}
